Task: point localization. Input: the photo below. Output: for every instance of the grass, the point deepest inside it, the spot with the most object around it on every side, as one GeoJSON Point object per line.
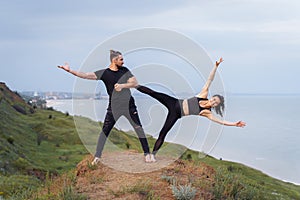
{"type": "Point", "coordinates": [142, 188]}
{"type": "Point", "coordinates": [251, 179]}
{"type": "Point", "coordinates": [65, 189]}
{"type": "Point", "coordinates": [60, 149]}
{"type": "Point", "coordinates": [25, 161]}
{"type": "Point", "coordinates": [18, 186]}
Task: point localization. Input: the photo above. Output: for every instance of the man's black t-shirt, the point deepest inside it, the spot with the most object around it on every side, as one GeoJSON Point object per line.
{"type": "Point", "coordinates": [117, 100]}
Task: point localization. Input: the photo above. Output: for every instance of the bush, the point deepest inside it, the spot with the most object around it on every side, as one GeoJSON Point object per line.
{"type": "Point", "coordinates": [127, 145]}
{"type": "Point", "coordinates": [50, 108]}
{"type": "Point", "coordinates": [10, 140]}
{"type": "Point", "coordinates": [169, 179]}
{"type": "Point", "coordinates": [21, 163]}
{"type": "Point", "coordinates": [189, 157]}
{"type": "Point", "coordinates": [186, 192]}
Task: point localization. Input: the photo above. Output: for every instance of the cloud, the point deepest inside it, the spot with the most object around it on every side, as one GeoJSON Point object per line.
{"type": "Point", "coordinates": [226, 16]}
{"type": "Point", "coordinates": [58, 31]}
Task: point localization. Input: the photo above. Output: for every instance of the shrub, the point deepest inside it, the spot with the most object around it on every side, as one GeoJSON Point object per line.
{"type": "Point", "coordinates": [10, 140]}
{"type": "Point", "coordinates": [189, 157]}
{"type": "Point", "coordinates": [127, 145]}
{"type": "Point", "coordinates": [169, 179]}
{"type": "Point", "coordinates": [50, 108]}
{"type": "Point", "coordinates": [186, 192]}
{"type": "Point", "coordinates": [21, 163]}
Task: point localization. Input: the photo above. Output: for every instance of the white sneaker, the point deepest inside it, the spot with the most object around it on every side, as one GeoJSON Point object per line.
{"type": "Point", "coordinates": [147, 158]}
{"type": "Point", "coordinates": [152, 158]}
{"type": "Point", "coordinates": [96, 161]}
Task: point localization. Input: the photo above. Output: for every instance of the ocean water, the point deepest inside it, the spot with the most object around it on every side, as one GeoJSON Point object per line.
{"type": "Point", "coordinates": [269, 142]}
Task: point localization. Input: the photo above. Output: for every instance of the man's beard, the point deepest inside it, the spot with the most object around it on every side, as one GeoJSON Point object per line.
{"type": "Point", "coordinates": [119, 66]}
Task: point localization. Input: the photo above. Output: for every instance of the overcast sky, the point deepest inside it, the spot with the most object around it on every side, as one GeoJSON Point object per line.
{"type": "Point", "coordinates": [258, 39]}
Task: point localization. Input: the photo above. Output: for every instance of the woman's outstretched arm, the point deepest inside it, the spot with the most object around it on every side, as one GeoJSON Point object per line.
{"type": "Point", "coordinates": [210, 116]}
{"type": "Point", "coordinates": [204, 91]}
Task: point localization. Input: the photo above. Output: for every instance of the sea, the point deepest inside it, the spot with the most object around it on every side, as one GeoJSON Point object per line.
{"type": "Point", "coordinates": [270, 142]}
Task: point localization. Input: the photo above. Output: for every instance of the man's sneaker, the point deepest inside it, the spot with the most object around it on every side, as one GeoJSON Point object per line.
{"type": "Point", "coordinates": [152, 158]}
{"type": "Point", "coordinates": [147, 158]}
{"type": "Point", "coordinates": [96, 161]}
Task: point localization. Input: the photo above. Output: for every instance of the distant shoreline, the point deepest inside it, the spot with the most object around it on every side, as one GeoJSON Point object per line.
{"type": "Point", "coordinates": [263, 94]}
{"type": "Point", "coordinates": [105, 97]}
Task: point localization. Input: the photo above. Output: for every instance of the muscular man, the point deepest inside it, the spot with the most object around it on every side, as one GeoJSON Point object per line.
{"type": "Point", "coordinates": [118, 80]}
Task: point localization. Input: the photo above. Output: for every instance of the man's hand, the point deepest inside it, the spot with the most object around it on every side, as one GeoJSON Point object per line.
{"type": "Point", "coordinates": [219, 62]}
{"type": "Point", "coordinates": [118, 87]}
{"type": "Point", "coordinates": [65, 67]}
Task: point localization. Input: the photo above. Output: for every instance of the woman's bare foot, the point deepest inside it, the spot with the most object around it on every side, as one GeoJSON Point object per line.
{"type": "Point", "coordinates": [152, 158]}
{"type": "Point", "coordinates": [147, 158]}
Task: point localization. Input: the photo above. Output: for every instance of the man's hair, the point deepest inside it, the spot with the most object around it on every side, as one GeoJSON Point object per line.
{"type": "Point", "coordinates": [114, 54]}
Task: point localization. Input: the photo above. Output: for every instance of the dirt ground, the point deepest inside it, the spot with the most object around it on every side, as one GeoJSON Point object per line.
{"type": "Point", "coordinates": [125, 175]}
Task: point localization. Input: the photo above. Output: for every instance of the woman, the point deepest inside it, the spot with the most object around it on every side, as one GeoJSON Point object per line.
{"type": "Point", "coordinates": [198, 105]}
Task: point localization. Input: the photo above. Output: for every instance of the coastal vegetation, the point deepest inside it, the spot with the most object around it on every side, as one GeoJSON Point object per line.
{"type": "Point", "coordinates": [42, 157]}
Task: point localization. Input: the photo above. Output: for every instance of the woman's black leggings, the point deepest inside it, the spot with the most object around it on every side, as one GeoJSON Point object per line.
{"type": "Point", "coordinates": [174, 113]}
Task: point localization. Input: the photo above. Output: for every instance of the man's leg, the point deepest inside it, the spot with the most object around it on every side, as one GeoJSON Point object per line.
{"type": "Point", "coordinates": [135, 122]}
{"type": "Point", "coordinates": [108, 124]}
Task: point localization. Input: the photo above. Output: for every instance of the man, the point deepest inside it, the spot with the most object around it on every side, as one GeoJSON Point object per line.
{"type": "Point", "coordinates": [118, 80]}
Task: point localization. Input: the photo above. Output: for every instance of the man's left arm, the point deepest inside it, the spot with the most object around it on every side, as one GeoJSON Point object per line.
{"type": "Point", "coordinates": [131, 83]}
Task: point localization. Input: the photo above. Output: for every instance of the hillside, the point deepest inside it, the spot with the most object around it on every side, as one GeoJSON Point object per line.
{"type": "Point", "coordinates": [205, 179]}
{"type": "Point", "coordinates": [39, 144]}
{"type": "Point", "coordinates": [42, 157]}
{"type": "Point", "coordinates": [33, 144]}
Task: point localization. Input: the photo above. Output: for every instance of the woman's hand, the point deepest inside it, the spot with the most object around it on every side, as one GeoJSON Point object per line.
{"type": "Point", "coordinates": [219, 62]}
{"type": "Point", "coordinates": [240, 124]}
{"type": "Point", "coordinates": [65, 67]}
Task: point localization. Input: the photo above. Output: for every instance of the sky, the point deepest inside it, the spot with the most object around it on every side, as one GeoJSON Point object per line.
{"type": "Point", "coordinates": [258, 39]}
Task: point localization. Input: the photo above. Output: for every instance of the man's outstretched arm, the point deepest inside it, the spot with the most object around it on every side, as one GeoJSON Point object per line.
{"type": "Point", "coordinates": [84, 75]}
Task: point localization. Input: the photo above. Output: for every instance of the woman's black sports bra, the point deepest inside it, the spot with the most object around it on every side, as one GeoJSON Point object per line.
{"type": "Point", "coordinates": [194, 106]}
